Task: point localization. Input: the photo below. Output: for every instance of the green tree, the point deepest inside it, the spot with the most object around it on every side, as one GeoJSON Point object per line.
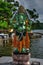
{"type": "Point", "coordinates": [5, 13]}
{"type": "Point", "coordinates": [16, 3]}
{"type": "Point", "coordinates": [33, 14]}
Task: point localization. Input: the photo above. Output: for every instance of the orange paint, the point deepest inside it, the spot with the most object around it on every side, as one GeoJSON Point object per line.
{"type": "Point", "coordinates": [27, 40]}
{"type": "Point", "coordinates": [15, 41]}
{"type": "Point", "coordinates": [19, 46]}
{"type": "Point", "coordinates": [23, 42]}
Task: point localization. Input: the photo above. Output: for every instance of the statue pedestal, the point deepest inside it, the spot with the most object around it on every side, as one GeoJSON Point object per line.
{"type": "Point", "coordinates": [21, 58]}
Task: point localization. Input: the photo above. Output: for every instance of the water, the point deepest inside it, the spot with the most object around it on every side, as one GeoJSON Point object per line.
{"type": "Point", "coordinates": [37, 46]}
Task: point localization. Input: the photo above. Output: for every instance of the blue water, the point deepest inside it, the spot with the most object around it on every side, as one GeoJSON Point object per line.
{"type": "Point", "coordinates": [37, 46]}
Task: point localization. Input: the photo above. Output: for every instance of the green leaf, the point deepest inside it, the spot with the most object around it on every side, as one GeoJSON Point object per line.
{"type": "Point", "coordinates": [16, 50]}
{"type": "Point", "coordinates": [20, 29]}
{"type": "Point", "coordinates": [23, 50]}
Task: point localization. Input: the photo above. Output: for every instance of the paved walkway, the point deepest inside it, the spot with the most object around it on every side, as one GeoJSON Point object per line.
{"type": "Point", "coordinates": [5, 59]}
{"type": "Point", "coordinates": [9, 59]}
{"type": "Point", "coordinates": [39, 60]}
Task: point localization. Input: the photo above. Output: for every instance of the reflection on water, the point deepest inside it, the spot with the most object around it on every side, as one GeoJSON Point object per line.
{"type": "Point", "coordinates": [37, 48]}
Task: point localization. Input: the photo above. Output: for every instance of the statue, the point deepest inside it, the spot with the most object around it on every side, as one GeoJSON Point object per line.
{"type": "Point", "coordinates": [22, 26]}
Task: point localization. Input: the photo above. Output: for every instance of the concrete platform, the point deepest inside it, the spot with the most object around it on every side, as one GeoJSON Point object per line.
{"type": "Point", "coordinates": [8, 60]}
{"type": "Point", "coordinates": [5, 59]}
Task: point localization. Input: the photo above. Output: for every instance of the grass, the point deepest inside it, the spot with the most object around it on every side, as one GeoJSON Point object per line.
{"type": "Point", "coordinates": [6, 51]}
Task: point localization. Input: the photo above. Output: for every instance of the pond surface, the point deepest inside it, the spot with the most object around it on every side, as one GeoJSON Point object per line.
{"type": "Point", "coordinates": [37, 46]}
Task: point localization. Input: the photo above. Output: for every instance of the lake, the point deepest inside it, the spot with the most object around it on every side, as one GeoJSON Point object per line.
{"type": "Point", "coordinates": [37, 46]}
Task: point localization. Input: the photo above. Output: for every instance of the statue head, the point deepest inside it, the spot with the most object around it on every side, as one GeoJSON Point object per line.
{"type": "Point", "coordinates": [21, 9]}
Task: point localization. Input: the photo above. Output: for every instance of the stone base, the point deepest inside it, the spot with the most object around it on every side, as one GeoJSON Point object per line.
{"type": "Point", "coordinates": [21, 59]}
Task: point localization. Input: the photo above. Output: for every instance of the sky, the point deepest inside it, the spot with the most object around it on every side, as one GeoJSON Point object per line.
{"type": "Point", "coordinates": [31, 4]}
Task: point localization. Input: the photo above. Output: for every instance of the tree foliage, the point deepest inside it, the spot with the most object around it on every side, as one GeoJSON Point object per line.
{"type": "Point", "coordinates": [33, 14]}
{"type": "Point", "coordinates": [5, 14]}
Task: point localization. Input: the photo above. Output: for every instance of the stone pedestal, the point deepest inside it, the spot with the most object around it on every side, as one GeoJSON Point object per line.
{"type": "Point", "coordinates": [21, 59]}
